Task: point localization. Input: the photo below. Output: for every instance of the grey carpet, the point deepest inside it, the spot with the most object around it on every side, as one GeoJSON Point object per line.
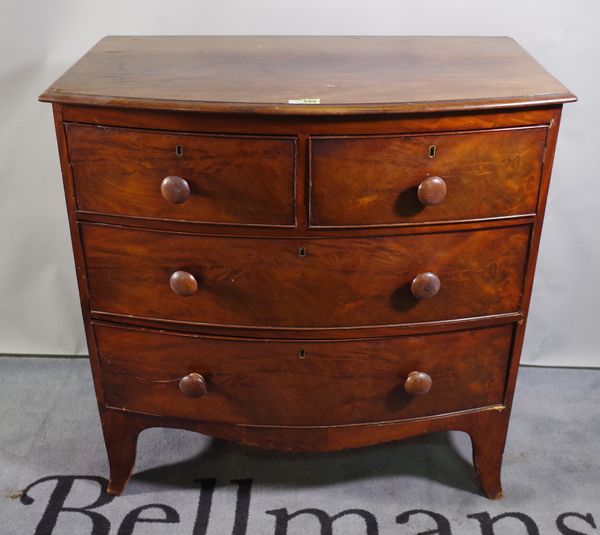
{"type": "Point", "coordinates": [50, 441]}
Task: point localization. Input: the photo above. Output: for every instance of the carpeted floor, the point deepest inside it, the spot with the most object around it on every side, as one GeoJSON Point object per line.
{"type": "Point", "coordinates": [184, 483]}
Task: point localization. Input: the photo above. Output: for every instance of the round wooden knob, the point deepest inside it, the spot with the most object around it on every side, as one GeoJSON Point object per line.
{"type": "Point", "coordinates": [425, 285]}
{"type": "Point", "coordinates": [417, 384]}
{"type": "Point", "coordinates": [183, 283]}
{"type": "Point", "coordinates": [193, 385]}
{"type": "Point", "coordinates": [175, 189]}
{"type": "Point", "coordinates": [432, 191]}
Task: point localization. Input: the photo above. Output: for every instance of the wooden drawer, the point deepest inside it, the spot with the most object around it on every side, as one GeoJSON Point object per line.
{"type": "Point", "coordinates": [244, 180]}
{"type": "Point", "coordinates": [267, 383]}
{"type": "Point", "coordinates": [365, 181]}
{"type": "Point", "coordinates": [292, 283]}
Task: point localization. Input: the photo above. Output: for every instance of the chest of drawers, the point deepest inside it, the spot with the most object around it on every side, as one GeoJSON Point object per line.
{"type": "Point", "coordinates": [306, 243]}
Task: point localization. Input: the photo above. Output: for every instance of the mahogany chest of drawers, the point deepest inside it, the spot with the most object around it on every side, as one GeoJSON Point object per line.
{"type": "Point", "coordinates": [306, 243]}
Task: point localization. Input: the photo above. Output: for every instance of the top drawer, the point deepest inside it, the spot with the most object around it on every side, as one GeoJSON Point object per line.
{"type": "Point", "coordinates": [243, 180]}
{"type": "Point", "coordinates": [375, 181]}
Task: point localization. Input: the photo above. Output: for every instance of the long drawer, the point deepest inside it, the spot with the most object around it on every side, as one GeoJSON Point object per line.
{"type": "Point", "coordinates": [392, 180]}
{"type": "Point", "coordinates": [244, 180]}
{"type": "Point", "coordinates": [302, 383]}
{"type": "Point", "coordinates": [293, 283]}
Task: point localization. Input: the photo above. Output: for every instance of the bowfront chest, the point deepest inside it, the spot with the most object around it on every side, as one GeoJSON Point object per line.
{"type": "Point", "coordinates": [306, 243]}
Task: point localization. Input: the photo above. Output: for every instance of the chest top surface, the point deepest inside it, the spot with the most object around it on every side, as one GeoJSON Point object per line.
{"type": "Point", "coordinates": [349, 75]}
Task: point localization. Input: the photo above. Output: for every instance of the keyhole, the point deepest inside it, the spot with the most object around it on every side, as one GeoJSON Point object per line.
{"type": "Point", "coordinates": [432, 149]}
{"type": "Point", "coordinates": [301, 252]}
{"type": "Point", "coordinates": [179, 150]}
{"type": "Point", "coordinates": [301, 353]}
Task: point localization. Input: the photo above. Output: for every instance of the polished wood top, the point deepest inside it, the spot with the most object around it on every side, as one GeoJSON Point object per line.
{"type": "Point", "coordinates": [349, 75]}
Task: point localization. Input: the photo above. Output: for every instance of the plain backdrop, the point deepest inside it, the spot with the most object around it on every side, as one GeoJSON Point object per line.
{"type": "Point", "coordinates": [39, 307]}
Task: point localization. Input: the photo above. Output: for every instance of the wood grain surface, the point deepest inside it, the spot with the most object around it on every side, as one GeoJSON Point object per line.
{"type": "Point", "coordinates": [263, 382]}
{"type": "Point", "coordinates": [246, 180]}
{"type": "Point", "coordinates": [302, 334]}
{"type": "Point", "coordinates": [348, 74]}
{"type": "Point", "coordinates": [487, 428]}
{"type": "Point", "coordinates": [307, 124]}
{"type": "Point", "coordinates": [338, 282]}
{"type": "Point", "coordinates": [364, 181]}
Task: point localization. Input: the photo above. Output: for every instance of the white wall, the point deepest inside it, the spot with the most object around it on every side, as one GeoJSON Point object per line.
{"type": "Point", "coordinates": [39, 308]}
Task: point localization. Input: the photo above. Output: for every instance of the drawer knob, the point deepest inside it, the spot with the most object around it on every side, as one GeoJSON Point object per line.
{"type": "Point", "coordinates": [417, 384]}
{"type": "Point", "coordinates": [175, 189]}
{"type": "Point", "coordinates": [183, 283]}
{"type": "Point", "coordinates": [432, 191]}
{"type": "Point", "coordinates": [193, 385]}
{"type": "Point", "coordinates": [425, 285]}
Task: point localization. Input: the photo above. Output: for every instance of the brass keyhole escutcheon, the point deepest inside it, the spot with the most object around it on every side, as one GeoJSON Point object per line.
{"type": "Point", "coordinates": [179, 150]}
{"type": "Point", "coordinates": [301, 252]}
{"type": "Point", "coordinates": [432, 150]}
{"type": "Point", "coordinates": [301, 354]}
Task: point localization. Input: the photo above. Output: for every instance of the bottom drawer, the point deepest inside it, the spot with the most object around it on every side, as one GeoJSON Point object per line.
{"type": "Point", "coordinates": [302, 383]}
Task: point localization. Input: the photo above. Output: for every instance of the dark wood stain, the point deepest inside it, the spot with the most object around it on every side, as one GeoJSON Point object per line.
{"type": "Point", "coordinates": [374, 181]}
{"type": "Point", "coordinates": [335, 383]}
{"type": "Point", "coordinates": [256, 282]}
{"type": "Point", "coordinates": [295, 277]}
{"type": "Point", "coordinates": [232, 179]}
{"type": "Point", "coordinates": [349, 75]}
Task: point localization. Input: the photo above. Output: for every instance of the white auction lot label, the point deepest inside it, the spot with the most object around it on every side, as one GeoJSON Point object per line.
{"type": "Point", "coordinates": [305, 101]}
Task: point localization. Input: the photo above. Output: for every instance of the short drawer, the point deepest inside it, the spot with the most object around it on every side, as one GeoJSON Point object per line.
{"type": "Point", "coordinates": [292, 283]}
{"type": "Point", "coordinates": [302, 383]}
{"type": "Point", "coordinates": [245, 180]}
{"type": "Point", "coordinates": [380, 181]}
